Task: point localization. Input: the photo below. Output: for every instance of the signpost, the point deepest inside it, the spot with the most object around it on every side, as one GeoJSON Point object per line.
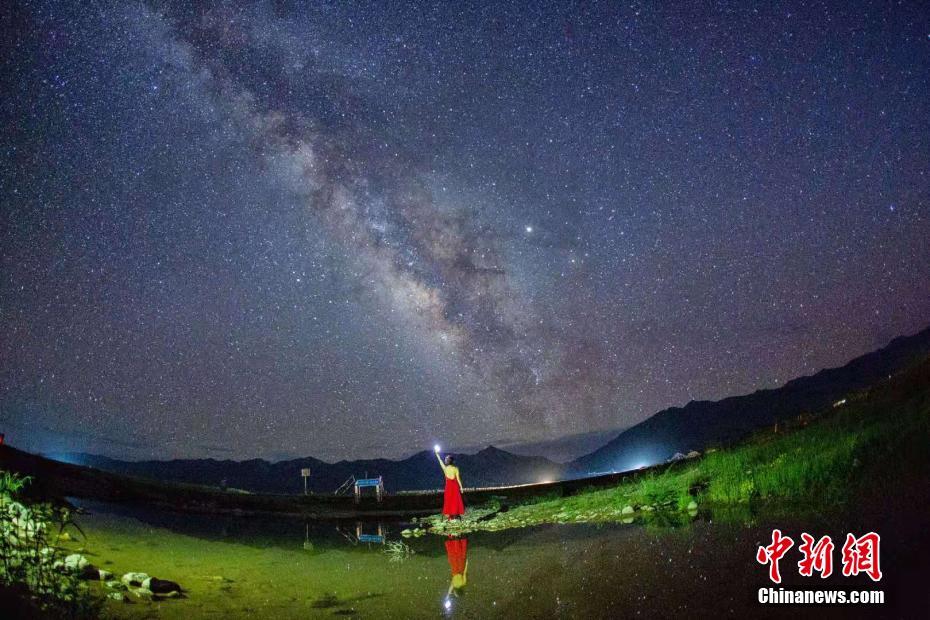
{"type": "Point", "coordinates": [305, 473]}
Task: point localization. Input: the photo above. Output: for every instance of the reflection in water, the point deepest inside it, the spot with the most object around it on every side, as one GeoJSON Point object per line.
{"type": "Point", "coordinates": [660, 567]}
{"type": "Point", "coordinates": [457, 554]}
{"type": "Point", "coordinates": [376, 536]}
{"type": "Point", "coordinates": [371, 533]}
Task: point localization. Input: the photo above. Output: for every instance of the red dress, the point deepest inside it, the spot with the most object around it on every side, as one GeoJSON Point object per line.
{"type": "Point", "coordinates": [457, 552]}
{"type": "Point", "coordinates": [452, 504]}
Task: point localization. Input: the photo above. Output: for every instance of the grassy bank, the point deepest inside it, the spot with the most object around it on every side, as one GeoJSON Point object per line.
{"type": "Point", "coordinates": [875, 439]}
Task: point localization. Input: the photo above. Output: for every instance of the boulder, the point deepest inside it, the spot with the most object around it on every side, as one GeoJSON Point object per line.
{"type": "Point", "coordinates": [627, 510]}
{"type": "Point", "coordinates": [161, 586]}
{"type": "Point", "coordinates": [693, 454]}
{"type": "Point", "coordinates": [76, 562]}
{"type": "Point", "coordinates": [172, 594]}
{"type": "Point", "coordinates": [692, 505]}
{"type": "Point", "coordinates": [134, 579]}
{"type": "Point", "coordinates": [79, 565]}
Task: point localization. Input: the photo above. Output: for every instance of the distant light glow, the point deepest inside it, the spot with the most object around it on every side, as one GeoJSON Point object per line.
{"type": "Point", "coordinates": [529, 229]}
{"type": "Point", "coordinates": [436, 448]}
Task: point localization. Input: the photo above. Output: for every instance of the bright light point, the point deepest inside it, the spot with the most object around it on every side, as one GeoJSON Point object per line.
{"type": "Point", "coordinates": [529, 229]}
{"type": "Point", "coordinates": [545, 481]}
{"type": "Point", "coordinates": [448, 604]}
{"type": "Point", "coordinates": [436, 448]}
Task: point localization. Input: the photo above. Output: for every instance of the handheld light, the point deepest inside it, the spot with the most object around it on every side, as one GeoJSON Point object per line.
{"type": "Point", "coordinates": [436, 448]}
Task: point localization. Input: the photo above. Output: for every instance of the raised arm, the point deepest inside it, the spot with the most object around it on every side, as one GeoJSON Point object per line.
{"type": "Point", "coordinates": [441, 464]}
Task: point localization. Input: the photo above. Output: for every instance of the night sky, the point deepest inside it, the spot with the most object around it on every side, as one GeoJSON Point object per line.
{"type": "Point", "coordinates": [348, 230]}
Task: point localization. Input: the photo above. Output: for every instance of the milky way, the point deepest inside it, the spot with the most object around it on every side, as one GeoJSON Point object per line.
{"type": "Point", "coordinates": [349, 230]}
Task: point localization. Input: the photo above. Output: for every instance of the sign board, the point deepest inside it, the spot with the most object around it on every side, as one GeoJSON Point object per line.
{"type": "Point", "coordinates": [305, 472]}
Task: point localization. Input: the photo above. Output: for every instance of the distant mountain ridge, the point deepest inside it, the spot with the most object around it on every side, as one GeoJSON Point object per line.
{"type": "Point", "coordinates": [676, 429]}
{"type": "Point", "coordinates": [702, 423]}
{"type": "Point", "coordinates": [488, 467]}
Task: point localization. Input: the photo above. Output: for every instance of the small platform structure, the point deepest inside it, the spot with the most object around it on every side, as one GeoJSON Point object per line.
{"type": "Point", "coordinates": [357, 484]}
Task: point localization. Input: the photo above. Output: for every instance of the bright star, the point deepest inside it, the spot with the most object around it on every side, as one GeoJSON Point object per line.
{"type": "Point", "coordinates": [529, 229]}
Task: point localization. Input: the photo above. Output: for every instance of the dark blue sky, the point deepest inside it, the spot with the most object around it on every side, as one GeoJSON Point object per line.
{"type": "Point", "coordinates": [351, 230]}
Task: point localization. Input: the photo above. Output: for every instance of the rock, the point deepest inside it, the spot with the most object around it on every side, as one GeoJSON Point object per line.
{"type": "Point", "coordinates": [64, 537]}
{"type": "Point", "coordinates": [161, 586]}
{"type": "Point", "coordinates": [76, 562]}
{"type": "Point", "coordinates": [628, 520]}
{"type": "Point", "coordinates": [134, 579]}
{"type": "Point", "coordinates": [649, 508]}
{"type": "Point", "coordinates": [627, 510]}
{"type": "Point", "coordinates": [143, 593]}
{"type": "Point", "coordinates": [116, 585]}
{"type": "Point", "coordinates": [692, 505]}
{"type": "Point", "coordinates": [172, 594]}
{"type": "Point", "coordinates": [693, 454]}
{"type": "Point", "coordinates": [218, 578]}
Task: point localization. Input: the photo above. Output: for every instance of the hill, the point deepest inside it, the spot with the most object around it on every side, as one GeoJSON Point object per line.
{"type": "Point", "coordinates": [703, 423]}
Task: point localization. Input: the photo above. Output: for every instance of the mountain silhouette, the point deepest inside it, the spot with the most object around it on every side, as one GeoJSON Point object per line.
{"type": "Point", "coordinates": [695, 426]}
{"type": "Point", "coordinates": [700, 424]}
{"type": "Point", "coordinates": [489, 467]}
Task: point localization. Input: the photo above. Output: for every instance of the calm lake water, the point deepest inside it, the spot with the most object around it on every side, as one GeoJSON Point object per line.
{"type": "Point", "coordinates": [279, 568]}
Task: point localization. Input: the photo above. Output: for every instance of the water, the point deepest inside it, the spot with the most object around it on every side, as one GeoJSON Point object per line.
{"type": "Point", "coordinates": [279, 568]}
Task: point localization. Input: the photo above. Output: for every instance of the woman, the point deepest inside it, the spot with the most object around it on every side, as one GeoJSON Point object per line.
{"type": "Point", "coordinates": [452, 505]}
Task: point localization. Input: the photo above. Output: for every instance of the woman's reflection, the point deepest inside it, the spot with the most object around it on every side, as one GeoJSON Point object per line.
{"type": "Point", "coordinates": [457, 552]}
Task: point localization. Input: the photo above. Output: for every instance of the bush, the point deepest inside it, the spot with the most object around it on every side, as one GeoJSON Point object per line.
{"type": "Point", "coordinates": [33, 577]}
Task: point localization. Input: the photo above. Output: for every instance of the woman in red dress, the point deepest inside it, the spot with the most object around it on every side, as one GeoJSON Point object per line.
{"type": "Point", "coordinates": [452, 504]}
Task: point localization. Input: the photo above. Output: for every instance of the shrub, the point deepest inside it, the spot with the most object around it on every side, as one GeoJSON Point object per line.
{"type": "Point", "coordinates": [32, 574]}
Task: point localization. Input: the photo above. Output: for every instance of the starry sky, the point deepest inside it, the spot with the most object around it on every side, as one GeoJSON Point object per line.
{"type": "Point", "coordinates": [355, 229]}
